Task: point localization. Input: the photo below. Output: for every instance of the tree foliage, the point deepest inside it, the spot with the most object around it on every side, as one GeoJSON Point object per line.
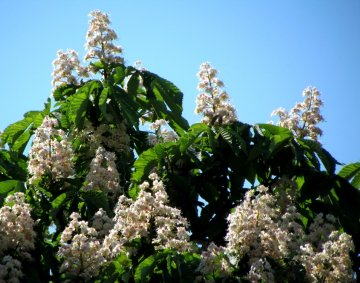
{"type": "Point", "coordinates": [207, 171]}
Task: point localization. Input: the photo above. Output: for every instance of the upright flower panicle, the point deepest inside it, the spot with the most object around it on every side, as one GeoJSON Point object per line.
{"type": "Point", "coordinates": [80, 249]}
{"type": "Point", "coordinates": [263, 228]}
{"type": "Point", "coordinates": [150, 211]}
{"type": "Point", "coordinates": [51, 153]}
{"type": "Point", "coordinates": [16, 226]}
{"type": "Point", "coordinates": [99, 40]}
{"type": "Point", "coordinates": [103, 174]}
{"type": "Point", "coordinates": [17, 237]}
{"type": "Point", "coordinates": [304, 117]}
{"type": "Point", "coordinates": [213, 103]}
{"type": "Point", "coordinates": [325, 252]}
{"type": "Point", "coordinates": [258, 228]}
{"type": "Point", "coordinates": [67, 68]}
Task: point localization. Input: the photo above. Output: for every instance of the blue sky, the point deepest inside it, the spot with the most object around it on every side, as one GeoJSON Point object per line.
{"type": "Point", "coordinates": [266, 52]}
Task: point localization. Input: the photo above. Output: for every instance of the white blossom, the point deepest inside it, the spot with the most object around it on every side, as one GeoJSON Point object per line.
{"type": "Point", "coordinates": [325, 254]}
{"type": "Point", "coordinates": [267, 226]}
{"type": "Point", "coordinates": [258, 228]}
{"type": "Point", "coordinates": [304, 117]}
{"type": "Point", "coordinates": [80, 249]}
{"type": "Point", "coordinates": [67, 68]}
{"type": "Point", "coordinates": [99, 40]}
{"type": "Point", "coordinates": [213, 103]}
{"type": "Point", "coordinates": [103, 174]}
{"type": "Point", "coordinates": [134, 219]}
{"type": "Point", "coordinates": [50, 152]}
{"type": "Point", "coordinates": [16, 226]}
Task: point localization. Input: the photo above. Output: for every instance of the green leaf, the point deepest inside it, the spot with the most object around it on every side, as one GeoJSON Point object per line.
{"type": "Point", "coordinates": [169, 93]}
{"type": "Point", "coordinates": [351, 172]}
{"type": "Point", "coordinates": [326, 158]}
{"type": "Point", "coordinates": [13, 131]}
{"type": "Point", "coordinates": [191, 135]}
{"type": "Point", "coordinates": [10, 185]}
{"type": "Point", "coordinates": [271, 130]}
{"type": "Point", "coordinates": [21, 142]}
{"type": "Point", "coordinates": [356, 181]}
{"type": "Point", "coordinates": [103, 104]}
{"type": "Point", "coordinates": [78, 106]}
{"type": "Point", "coordinates": [147, 161]}
{"type": "Point", "coordinates": [64, 91]}
{"type": "Point", "coordinates": [128, 107]}
{"type": "Point", "coordinates": [119, 75]}
{"type": "Point", "coordinates": [145, 269]}
{"type": "Point", "coordinates": [133, 84]}
{"type": "Point", "coordinates": [56, 203]}
{"type": "Point", "coordinates": [278, 136]}
{"type": "Point", "coordinates": [18, 134]}
{"type": "Point", "coordinates": [79, 102]}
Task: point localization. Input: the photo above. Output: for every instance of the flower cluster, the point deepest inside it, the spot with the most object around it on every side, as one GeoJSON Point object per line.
{"type": "Point", "coordinates": [16, 226]}
{"type": "Point", "coordinates": [304, 117]}
{"type": "Point", "coordinates": [103, 174]}
{"type": "Point", "coordinates": [67, 69]}
{"type": "Point", "coordinates": [264, 230]}
{"type": "Point", "coordinates": [213, 103]}
{"type": "Point", "coordinates": [161, 133]}
{"type": "Point", "coordinates": [17, 237]}
{"type": "Point", "coordinates": [325, 255]}
{"type": "Point", "coordinates": [258, 228]}
{"type": "Point", "coordinates": [80, 249]}
{"type": "Point", "coordinates": [99, 40]}
{"type": "Point", "coordinates": [149, 212]}
{"type": "Point", "coordinates": [51, 153]}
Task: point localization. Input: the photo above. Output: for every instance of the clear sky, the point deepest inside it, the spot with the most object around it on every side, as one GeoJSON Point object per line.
{"type": "Point", "coordinates": [267, 52]}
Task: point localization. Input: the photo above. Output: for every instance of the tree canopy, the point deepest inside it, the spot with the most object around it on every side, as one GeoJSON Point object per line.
{"type": "Point", "coordinates": [110, 183]}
